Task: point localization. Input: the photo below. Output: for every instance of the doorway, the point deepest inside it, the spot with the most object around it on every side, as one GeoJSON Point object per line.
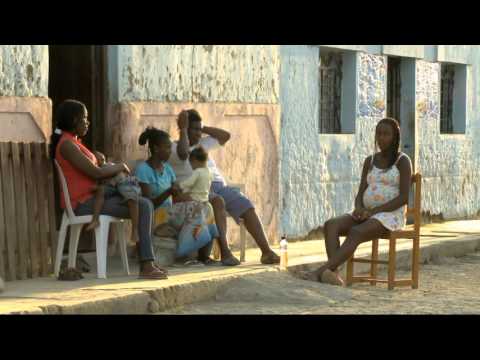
{"type": "Point", "coordinates": [79, 72]}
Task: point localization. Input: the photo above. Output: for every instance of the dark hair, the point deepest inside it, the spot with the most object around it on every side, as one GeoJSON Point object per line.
{"type": "Point", "coordinates": [66, 117]}
{"type": "Point", "coordinates": [199, 154]}
{"type": "Point", "coordinates": [153, 136]}
{"type": "Point", "coordinates": [193, 116]}
{"type": "Point", "coordinates": [395, 145]}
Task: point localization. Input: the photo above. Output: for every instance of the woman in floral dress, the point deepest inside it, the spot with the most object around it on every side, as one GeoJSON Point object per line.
{"type": "Point", "coordinates": [380, 205]}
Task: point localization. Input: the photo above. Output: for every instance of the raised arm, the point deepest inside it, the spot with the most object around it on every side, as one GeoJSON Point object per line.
{"type": "Point", "coordinates": [221, 135]}
{"type": "Point", "coordinates": [73, 154]}
{"type": "Point", "coordinates": [183, 145]}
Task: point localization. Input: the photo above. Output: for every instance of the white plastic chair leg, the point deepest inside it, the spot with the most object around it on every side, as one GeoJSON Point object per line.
{"type": "Point", "coordinates": [75, 231]}
{"type": "Point", "coordinates": [101, 239]}
{"type": "Point", "coordinates": [62, 234]}
{"type": "Point", "coordinates": [122, 243]}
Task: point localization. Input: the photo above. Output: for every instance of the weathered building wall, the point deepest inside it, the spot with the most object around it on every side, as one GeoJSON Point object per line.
{"type": "Point", "coordinates": [321, 173]}
{"type": "Point", "coordinates": [233, 87]}
{"type": "Point", "coordinates": [23, 70]}
{"type": "Point", "coordinates": [197, 73]}
{"type": "Point", "coordinates": [25, 110]}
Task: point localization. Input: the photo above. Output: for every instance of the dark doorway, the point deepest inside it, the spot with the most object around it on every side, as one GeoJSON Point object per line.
{"type": "Point", "coordinates": [394, 86]}
{"type": "Point", "coordinates": [79, 72]}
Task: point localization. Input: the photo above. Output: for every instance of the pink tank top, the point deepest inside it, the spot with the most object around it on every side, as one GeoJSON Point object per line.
{"type": "Point", "coordinates": [80, 186]}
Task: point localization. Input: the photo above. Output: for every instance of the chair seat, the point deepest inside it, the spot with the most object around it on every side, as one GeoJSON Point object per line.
{"type": "Point", "coordinates": [85, 219]}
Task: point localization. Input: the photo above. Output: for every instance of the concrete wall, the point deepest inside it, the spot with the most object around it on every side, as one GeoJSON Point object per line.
{"type": "Point", "coordinates": [197, 73]}
{"type": "Point", "coordinates": [233, 87]}
{"type": "Point", "coordinates": [320, 173]}
{"type": "Point", "coordinates": [25, 110]}
{"type": "Point", "coordinates": [23, 70]}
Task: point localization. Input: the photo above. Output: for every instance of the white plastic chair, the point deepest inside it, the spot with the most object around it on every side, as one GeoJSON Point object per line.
{"type": "Point", "coordinates": [101, 235]}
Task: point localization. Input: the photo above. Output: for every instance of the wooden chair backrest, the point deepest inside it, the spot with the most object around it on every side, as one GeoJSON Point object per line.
{"type": "Point", "coordinates": [416, 210]}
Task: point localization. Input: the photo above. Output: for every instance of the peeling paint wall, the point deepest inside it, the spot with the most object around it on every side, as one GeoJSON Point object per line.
{"type": "Point", "coordinates": [24, 70]}
{"type": "Point", "coordinates": [198, 73]}
{"type": "Point", "coordinates": [321, 173]}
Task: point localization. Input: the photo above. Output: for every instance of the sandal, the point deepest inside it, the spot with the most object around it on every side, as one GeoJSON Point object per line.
{"type": "Point", "coordinates": [211, 262]}
{"type": "Point", "coordinates": [69, 274]}
{"type": "Point", "coordinates": [156, 274]}
{"type": "Point", "coordinates": [270, 258]}
{"type": "Point", "coordinates": [230, 261]}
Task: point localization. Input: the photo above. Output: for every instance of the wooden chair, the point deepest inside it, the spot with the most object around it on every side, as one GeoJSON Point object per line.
{"type": "Point", "coordinates": [411, 232]}
{"type": "Point", "coordinates": [243, 233]}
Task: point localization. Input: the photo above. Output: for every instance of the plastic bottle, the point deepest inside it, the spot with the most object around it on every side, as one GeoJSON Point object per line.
{"type": "Point", "coordinates": [283, 253]}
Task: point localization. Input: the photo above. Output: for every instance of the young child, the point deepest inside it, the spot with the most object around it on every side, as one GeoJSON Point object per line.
{"type": "Point", "coordinates": [122, 183]}
{"type": "Point", "coordinates": [198, 184]}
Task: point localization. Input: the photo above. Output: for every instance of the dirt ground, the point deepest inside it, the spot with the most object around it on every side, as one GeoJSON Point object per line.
{"type": "Point", "coordinates": [449, 286]}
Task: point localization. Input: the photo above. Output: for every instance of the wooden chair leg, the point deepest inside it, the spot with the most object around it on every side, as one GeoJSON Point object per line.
{"type": "Point", "coordinates": [373, 265]}
{"type": "Point", "coordinates": [350, 271]}
{"type": "Point", "coordinates": [415, 262]}
{"type": "Point", "coordinates": [391, 263]}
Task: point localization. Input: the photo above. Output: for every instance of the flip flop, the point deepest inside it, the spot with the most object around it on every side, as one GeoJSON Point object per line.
{"type": "Point", "coordinates": [211, 262]}
{"type": "Point", "coordinates": [230, 261]}
{"type": "Point", "coordinates": [270, 259]}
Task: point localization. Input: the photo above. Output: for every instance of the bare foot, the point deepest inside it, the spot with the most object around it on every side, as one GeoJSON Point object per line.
{"type": "Point", "coordinates": [329, 277]}
{"type": "Point", "coordinates": [93, 225]}
{"type": "Point", "coordinates": [196, 231]}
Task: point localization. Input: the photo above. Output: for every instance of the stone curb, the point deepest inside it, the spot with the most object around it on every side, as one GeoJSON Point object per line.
{"type": "Point", "coordinates": [169, 297]}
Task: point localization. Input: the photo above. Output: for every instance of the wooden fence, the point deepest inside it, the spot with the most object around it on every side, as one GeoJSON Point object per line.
{"type": "Point", "coordinates": [27, 211]}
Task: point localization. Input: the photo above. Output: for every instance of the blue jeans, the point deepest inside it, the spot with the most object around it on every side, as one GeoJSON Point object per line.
{"type": "Point", "coordinates": [116, 206]}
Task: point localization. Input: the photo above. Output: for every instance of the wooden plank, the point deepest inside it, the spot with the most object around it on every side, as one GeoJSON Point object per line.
{"type": "Point", "coordinates": [3, 252]}
{"type": "Point", "coordinates": [32, 211]}
{"type": "Point", "coordinates": [402, 282]}
{"type": "Point", "coordinates": [52, 228]}
{"type": "Point", "coordinates": [9, 209]}
{"type": "Point", "coordinates": [21, 211]}
{"type": "Point", "coordinates": [368, 261]}
{"type": "Point", "coordinates": [42, 207]}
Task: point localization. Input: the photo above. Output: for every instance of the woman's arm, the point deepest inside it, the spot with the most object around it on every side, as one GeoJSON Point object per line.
{"type": "Point", "coordinates": [72, 154]}
{"type": "Point", "coordinates": [405, 167]}
{"type": "Point", "coordinates": [221, 135]}
{"type": "Point", "coordinates": [363, 184]}
{"type": "Point", "coordinates": [183, 146]}
{"type": "Point", "coordinates": [159, 200]}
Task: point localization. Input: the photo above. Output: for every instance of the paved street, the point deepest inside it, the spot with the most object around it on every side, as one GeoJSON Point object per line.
{"type": "Point", "coordinates": [448, 286]}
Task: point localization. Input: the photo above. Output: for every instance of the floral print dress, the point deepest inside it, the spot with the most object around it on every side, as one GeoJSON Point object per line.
{"type": "Point", "coordinates": [384, 186]}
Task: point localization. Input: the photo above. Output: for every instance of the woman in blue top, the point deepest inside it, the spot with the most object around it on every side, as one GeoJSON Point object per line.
{"type": "Point", "coordinates": [157, 180]}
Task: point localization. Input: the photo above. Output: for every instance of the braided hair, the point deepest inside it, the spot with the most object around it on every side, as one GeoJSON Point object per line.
{"type": "Point", "coordinates": [66, 119]}
{"type": "Point", "coordinates": [393, 152]}
{"type": "Point", "coordinates": [153, 136]}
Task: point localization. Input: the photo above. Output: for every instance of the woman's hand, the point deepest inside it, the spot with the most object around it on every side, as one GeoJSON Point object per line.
{"type": "Point", "coordinates": [361, 214]}
{"type": "Point", "coordinates": [358, 214]}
